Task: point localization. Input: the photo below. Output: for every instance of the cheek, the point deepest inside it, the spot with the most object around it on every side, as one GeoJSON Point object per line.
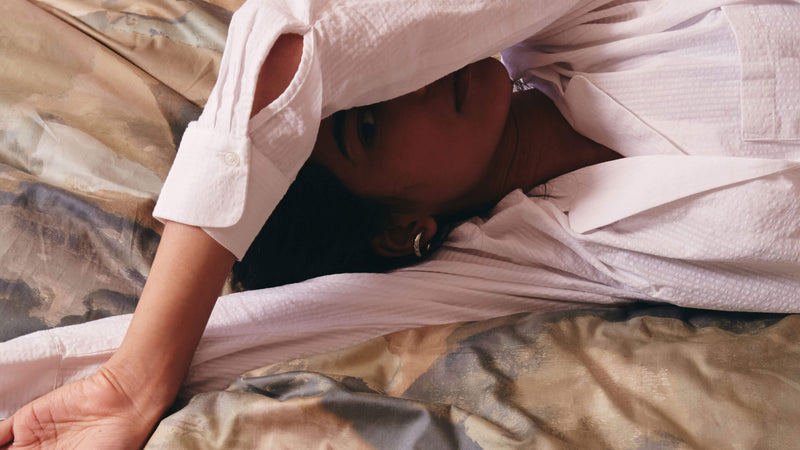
{"type": "Point", "coordinates": [452, 164]}
{"type": "Point", "coordinates": [470, 159]}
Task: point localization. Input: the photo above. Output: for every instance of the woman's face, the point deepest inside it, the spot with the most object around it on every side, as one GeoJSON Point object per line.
{"type": "Point", "coordinates": [432, 150]}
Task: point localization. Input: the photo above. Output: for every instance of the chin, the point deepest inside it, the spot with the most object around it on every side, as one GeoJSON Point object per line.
{"type": "Point", "coordinates": [493, 76]}
{"type": "Point", "coordinates": [492, 88]}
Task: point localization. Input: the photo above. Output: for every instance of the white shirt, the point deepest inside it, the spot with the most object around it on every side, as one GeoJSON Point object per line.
{"type": "Point", "coordinates": [655, 81]}
{"type": "Point", "coordinates": [676, 79]}
{"type": "Point", "coordinates": [716, 230]}
{"type": "Point", "coordinates": [231, 171]}
{"type": "Point", "coordinates": [594, 61]}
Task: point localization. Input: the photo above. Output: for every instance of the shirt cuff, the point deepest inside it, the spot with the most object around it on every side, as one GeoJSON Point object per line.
{"type": "Point", "coordinates": [211, 182]}
{"type": "Point", "coordinates": [229, 185]}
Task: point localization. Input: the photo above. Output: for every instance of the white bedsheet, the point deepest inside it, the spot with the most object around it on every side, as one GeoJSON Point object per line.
{"type": "Point", "coordinates": [728, 241]}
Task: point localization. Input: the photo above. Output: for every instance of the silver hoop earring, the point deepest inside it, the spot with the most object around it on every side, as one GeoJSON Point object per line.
{"type": "Point", "coordinates": [418, 251]}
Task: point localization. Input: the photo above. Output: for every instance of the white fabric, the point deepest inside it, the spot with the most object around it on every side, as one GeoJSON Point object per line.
{"type": "Point", "coordinates": [231, 171]}
{"type": "Point", "coordinates": [708, 231]}
{"type": "Point", "coordinates": [688, 100]}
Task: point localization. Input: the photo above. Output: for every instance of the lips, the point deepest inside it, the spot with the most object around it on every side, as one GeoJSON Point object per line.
{"type": "Point", "coordinates": [461, 86]}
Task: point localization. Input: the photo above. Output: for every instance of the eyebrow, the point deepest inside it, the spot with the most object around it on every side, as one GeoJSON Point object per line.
{"type": "Point", "coordinates": [338, 132]}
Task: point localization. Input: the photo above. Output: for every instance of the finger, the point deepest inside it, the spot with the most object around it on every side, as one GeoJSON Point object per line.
{"type": "Point", "coordinates": [6, 433]}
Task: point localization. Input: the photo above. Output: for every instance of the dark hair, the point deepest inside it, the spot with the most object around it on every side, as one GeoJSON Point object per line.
{"type": "Point", "coordinates": [319, 228]}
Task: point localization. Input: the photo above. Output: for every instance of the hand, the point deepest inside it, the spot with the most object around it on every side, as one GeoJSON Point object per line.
{"type": "Point", "coordinates": [91, 413]}
{"type": "Point", "coordinates": [119, 406]}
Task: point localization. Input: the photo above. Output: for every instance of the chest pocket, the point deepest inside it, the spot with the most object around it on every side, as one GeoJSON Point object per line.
{"type": "Point", "coordinates": [769, 47]}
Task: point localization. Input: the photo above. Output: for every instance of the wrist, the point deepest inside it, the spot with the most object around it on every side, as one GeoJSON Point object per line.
{"type": "Point", "coordinates": [185, 279]}
{"type": "Point", "coordinates": [143, 385]}
{"type": "Point", "coordinates": [147, 398]}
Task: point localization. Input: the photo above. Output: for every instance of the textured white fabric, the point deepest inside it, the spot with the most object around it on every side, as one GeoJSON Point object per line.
{"type": "Point", "coordinates": [603, 74]}
{"type": "Point", "coordinates": [254, 328]}
{"type": "Point", "coordinates": [709, 231]}
{"type": "Point", "coordinates": [231, 171]}
{"type": "Point", "coordinates": [767, 38]}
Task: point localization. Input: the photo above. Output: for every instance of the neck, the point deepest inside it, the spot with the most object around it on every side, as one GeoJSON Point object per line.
{"type": "Point", "coordinates": [542, 144]}
{"type": "Point", "coordinates": [537, 145]}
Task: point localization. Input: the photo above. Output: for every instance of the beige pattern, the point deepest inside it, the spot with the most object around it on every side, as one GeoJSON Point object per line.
{"type": "Point", "coordinates": [658, 377]}
{"type": "Point", "coordinates": [94, 98]}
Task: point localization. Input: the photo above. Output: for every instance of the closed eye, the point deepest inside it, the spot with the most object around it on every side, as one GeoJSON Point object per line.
{"type": "Point", "coordinates": [338, 132]}
{"type": "Point", "coordinates": [365, 125]}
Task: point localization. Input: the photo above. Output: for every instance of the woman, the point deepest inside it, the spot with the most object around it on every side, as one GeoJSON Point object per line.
{"type": "Point", "coordinates": [123, 402]}
{"type": "Point", "coordinates": [668, 88]}
{"type": "Point", "coordinates": [389, 177]}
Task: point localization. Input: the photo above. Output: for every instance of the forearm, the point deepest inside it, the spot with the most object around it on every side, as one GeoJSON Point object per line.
{"type": "Point", "coordinates": [185, 280]}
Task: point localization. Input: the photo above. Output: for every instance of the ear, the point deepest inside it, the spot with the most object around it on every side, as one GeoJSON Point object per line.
{"type": "Point", "coordinates": [397, 238]}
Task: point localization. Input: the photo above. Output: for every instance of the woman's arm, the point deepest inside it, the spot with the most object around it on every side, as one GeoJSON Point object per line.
{"type": "Point", "coordinates": [185, 280]}
{"type": "Point", "coordinates": [119, 405]}
{"type": "Point", "coordinates": [187, 275]}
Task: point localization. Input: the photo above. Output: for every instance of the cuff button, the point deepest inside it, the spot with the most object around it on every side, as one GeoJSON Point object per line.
{"type": "Point", "coordinates": [231, 159]}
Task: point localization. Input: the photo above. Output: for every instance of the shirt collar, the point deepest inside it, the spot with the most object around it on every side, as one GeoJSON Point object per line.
{"type": "Point", "coordinates": [602, 194]}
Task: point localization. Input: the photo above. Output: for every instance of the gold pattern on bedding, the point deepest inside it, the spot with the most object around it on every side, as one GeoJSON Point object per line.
{"type": "Point", "coordinates": [630, 378]}
{"type": "Point", "coordinates": [94, 98]}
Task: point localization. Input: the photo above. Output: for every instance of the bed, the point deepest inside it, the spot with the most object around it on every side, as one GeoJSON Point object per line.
{"type": "Point", "coordinates": [94, 96]}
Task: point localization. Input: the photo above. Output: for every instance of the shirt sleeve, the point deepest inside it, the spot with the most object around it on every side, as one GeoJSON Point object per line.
{"type": "Point", "coordinates": [231, 171]}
